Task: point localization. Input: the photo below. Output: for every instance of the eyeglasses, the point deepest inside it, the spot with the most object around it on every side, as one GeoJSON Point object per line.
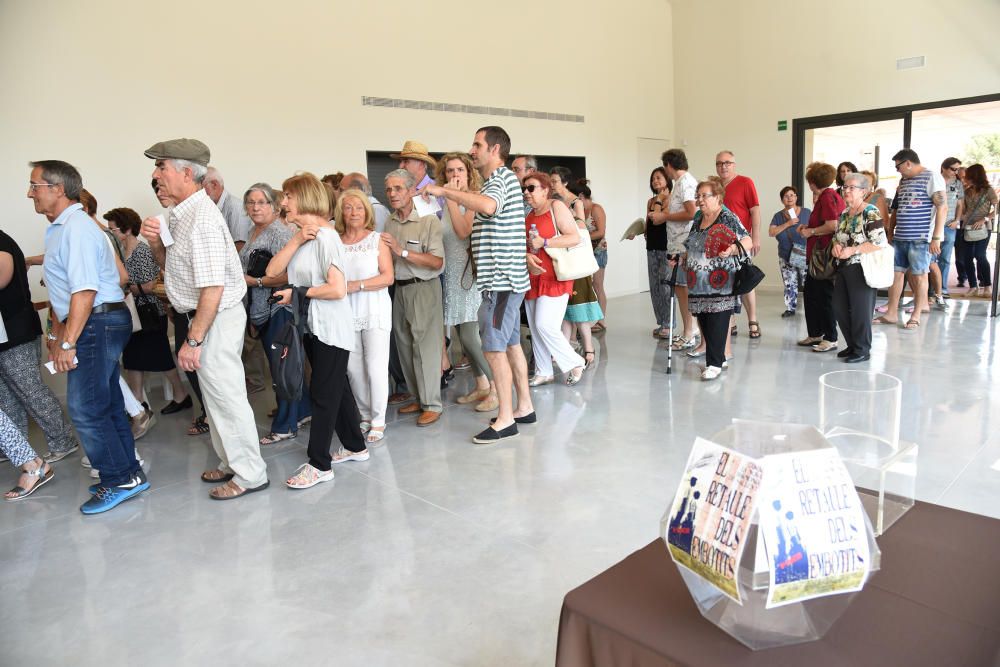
{"type": "Point", "coordinates": [704, 195]}
{"type": "Point", "coordinates": [529, 188]}
{"type": "Point", "coordinates": [955, 169]}
{"type": "Point", "coordinates": [853, 187]}
{"type": "Point", "coordinates": [35, 186]}
{"type": "Point", "coordinates": [258, 204]}
{"type": "Point", "coordinates": [727, 163]}
{"type": "Point", "coordinates": [900, 164]}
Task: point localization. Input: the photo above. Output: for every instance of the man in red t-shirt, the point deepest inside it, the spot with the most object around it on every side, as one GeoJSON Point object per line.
{"type": "Point", "coordinates": [741, 199]}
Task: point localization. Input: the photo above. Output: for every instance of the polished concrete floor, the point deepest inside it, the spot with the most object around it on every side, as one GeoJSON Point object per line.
{"type": "Point", "coordinates": [436, 551]}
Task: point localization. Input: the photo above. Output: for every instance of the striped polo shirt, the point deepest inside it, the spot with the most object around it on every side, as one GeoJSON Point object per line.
{"type": "Point", "coordinates": [499, 244]}
{"type": "Point", "coordinates": [914, 207]}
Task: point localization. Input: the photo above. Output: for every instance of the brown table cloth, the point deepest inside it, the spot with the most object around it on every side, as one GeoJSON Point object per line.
{"type": "Point", "coordinates": [936, 601]}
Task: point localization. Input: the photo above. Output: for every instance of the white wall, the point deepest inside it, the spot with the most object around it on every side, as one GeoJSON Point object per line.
{"type": "Point", "coordinates": [740, 66]}
{"type": "Point", "coordinates": [276, 88]}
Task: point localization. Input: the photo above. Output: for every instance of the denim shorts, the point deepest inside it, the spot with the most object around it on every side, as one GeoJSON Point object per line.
{"type": "Point", "coordinates": [914, 256]}
{"type": "Point", "coordinates": [602, 258]}
{"type": "Point", "coordinates": [500, 320]}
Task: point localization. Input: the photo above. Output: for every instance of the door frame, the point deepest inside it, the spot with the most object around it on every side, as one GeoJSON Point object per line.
{"type": "Point", "coordinates": [800, 125]}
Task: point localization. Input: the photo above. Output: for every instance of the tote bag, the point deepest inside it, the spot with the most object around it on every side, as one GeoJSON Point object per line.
{"type": "Point", "coordinates": [575, 262]}
{"type": "Point", "coordinates": [879, 267]}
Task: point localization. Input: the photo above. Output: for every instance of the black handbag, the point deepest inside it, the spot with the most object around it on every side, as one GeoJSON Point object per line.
{"type": "Point", "coordinates": [257, 262]}
{"type": "Point", "coordinates": [149, 314]}
{"type": "Point", "coordinates": [748, 276]}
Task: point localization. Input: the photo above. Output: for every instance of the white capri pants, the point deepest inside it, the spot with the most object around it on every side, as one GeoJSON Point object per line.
{"type": "Point", "coordinates": [368, 372]}
{"type": "Point", "coordinates": [545, 317]}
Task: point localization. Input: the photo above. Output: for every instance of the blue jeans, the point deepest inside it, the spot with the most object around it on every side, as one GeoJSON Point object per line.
{"type": "Point", "coordinates": [944, 259]}
{"type": "Point", "coordinates": [94, 397]}
{"type": "Point", "coordinates": [286, 420]}
{"type": "Point", "coordinates": [977, 264]}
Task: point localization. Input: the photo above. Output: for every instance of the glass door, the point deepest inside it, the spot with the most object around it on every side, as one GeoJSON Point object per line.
{"type": "Point", "coordinates": [869, 146]}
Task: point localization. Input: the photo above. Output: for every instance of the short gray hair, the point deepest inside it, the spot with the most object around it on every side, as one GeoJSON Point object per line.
{"type": "Point", "coordinates": [529, 161]}
{"type": "Point", "coordinates": [407, 177]}
{"type": "Point", "coordinates": [57, 172]}
{"type": "Point", "coordinates": [198, 171]}
{"type": "Point", "coordinates": [212, 174]}
{"type": "Point", "coordinates": [860, 179]}
{"type": "Point", "coordinates": [269, 194]}
{"type": "Point", "coordinates": [356, 181]}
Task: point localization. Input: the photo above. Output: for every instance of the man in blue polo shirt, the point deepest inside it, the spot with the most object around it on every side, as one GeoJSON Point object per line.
{"type": "Point", "coordinates": [91, 326]}
{"type": "Point", "coordinates": [918, 214]}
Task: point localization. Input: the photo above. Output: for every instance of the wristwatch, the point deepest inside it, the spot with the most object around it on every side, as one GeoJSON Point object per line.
{"type": "Point", "coordinates": [405, 253]}
{"type": "Point", "coordinates": [51, 336]}
{"type": "Point", "coordinates": [66, 346]}
{"type": "Point", "coordinates": [193, 343]}
{"type": "Point", "coordinates": [260, 282]}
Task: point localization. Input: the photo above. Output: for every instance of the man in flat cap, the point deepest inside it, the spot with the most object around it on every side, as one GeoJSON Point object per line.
{"type": "Point", "coordinates": [204, 281]}
{"type": "Point", "coordinates": [90, 327]}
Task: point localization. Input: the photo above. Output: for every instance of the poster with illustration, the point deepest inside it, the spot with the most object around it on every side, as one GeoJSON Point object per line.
{"type": "Point", "coordinates": [812, 524]}
{"type": "Point", "coordinates": [711, 513]}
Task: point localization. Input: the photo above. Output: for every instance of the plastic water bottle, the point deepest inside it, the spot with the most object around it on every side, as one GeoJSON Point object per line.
{"type": "Point", "coordinates": [532, 235]}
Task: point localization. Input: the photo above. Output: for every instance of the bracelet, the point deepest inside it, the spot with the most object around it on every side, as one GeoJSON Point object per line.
{"type": "Point", "coordinates": [545, 243]}
{"type": "Point", "coordinates": [362, 288]}
{"type": "Point", "coordinates": [260, 282]}
{"type": "Point", "coordinates": [937, 238]}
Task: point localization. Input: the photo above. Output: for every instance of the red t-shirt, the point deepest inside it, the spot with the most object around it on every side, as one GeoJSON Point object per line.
{"type": "Point", "coordinates": [741, 196]}
{"type": "Point", "coordinates": [829, 206]}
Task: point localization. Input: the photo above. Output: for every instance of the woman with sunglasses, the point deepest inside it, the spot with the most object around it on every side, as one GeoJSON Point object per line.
{"type": "Point", "coordinates": [548, 225]}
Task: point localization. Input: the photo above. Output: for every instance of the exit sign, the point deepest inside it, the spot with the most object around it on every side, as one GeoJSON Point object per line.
{"type": "Point", "coordinates": [782, 125]}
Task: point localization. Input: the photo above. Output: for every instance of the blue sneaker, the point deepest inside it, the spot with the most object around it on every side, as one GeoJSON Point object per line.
{"type": "Point", "coordinates": [106, 498]}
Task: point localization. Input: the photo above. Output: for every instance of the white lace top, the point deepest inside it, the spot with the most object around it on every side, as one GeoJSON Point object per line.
{"type": "Point", "coordinates": [372, 308]}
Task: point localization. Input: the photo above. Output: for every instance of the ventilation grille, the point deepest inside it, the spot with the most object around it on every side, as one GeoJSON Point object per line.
{"type": "Point", "coordinates": [911, 63]}
{"type": "Point", "coordinates": [468, 108]}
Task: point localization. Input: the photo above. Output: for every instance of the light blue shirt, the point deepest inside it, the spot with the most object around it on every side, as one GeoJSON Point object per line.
{"type": "Point", "coordinates": [79, 257]}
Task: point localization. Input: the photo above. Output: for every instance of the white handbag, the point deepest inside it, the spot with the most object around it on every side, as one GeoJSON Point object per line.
{"type": "Point", "coordinates": [879, 267]}
{"type": "Point", "coordinates": [130, 304]}
{"type": "Point", "coordinates": [575, 262]}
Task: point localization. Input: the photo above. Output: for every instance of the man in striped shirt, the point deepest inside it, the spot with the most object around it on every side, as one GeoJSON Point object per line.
{"type": "Point", "coordinates": [918, 214]}
{"type": "Point", "coordinates": [499, 253]}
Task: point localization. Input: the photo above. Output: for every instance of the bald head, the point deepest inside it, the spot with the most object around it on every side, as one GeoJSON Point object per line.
{"type": "Point", "coordinates": [213, 183]}
{"type": "Point", "coordinates": [358, 181]}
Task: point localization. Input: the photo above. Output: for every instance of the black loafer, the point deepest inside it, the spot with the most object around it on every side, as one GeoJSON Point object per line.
{"type": "Point", "coordinates": [857, 358]}
{"type": "Point", "coordinates": [490, 435]}
{"type": "Point", "coordinates": [788, 313]}
{"type": "Point", "coordinates": [529, 418]}
{"type": "Point", "coordinates": [173, 406]}
{"type": "Point", "coordinates": [845, 353]}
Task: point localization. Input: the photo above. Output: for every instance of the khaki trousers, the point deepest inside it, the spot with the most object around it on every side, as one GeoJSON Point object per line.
{"type": "Point", "coordinates": [223, 387]}
{"type": "Point", "coordinates": [418, 325]}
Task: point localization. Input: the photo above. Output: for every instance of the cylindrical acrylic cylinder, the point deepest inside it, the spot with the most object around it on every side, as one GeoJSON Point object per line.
{"type": "Point", "coordinates": [860, 413]}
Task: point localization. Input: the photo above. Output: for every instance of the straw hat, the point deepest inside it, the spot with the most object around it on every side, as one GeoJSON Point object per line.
{"type": "Point", "coordinates": [416, 151]}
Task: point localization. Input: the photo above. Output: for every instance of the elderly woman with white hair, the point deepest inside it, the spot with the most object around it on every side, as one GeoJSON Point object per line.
{"type": "Point", "coordinates": [860, 230]}
{"type": "Point", "coordinates": [266, 239]}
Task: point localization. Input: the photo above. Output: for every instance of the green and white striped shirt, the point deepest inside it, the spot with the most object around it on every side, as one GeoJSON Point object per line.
{"type": "Point", "coordinates": [499, 242]}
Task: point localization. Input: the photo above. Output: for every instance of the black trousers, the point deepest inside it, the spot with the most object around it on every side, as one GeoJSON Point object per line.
{"type": "Point", "coordinates": [333, 404]}
{"type": "Point", "coordinates": [854, 303]}
{"type": "Point", "coordinates": [180, 335]}
{"type": "Point", "coordinates": [960, 266]}
{"type": "Point", "coordinates": [714, 329]}
{"type": "Point", "coordinates": [820, 318]}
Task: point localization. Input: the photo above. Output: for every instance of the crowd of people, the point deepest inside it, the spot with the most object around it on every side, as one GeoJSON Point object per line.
{"type": "Point", "coordinates": [348, 304]}
{"type": "Point", "coordinates": [700, 235]}
{"type": "Point", "coordinates": [366, 293]}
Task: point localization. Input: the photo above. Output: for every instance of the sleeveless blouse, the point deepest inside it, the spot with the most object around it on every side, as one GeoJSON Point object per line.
{"type": "Point", "coordinates": [545, 284]}
{"type": "Point", "coordinates": [372, 308]}
{"type": "Point", "coordinates": [461, 298]}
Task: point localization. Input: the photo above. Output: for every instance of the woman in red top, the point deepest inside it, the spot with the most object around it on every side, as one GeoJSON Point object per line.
{"type": "Point", "coordinates": [546, 301]}
{"type": "Point", "coordinates": [821, 323]}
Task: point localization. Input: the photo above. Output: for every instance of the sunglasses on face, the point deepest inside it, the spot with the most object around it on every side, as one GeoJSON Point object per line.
{"type": "Point", "coordinates": [528, 188]}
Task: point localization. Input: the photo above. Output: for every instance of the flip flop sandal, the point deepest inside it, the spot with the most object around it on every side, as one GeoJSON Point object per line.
{"type": "Point", "coordinates": [274, 438]}
{"type": "Point", "coordinates": [754, 329]}
{"type": "Point", "coordinates": [588, 363]}
{"type": "Point", "coordinates": [42, 478]}
{"type": "Point", "coordinates": [218, 494]}
{"type": "Point", "coordinates": [216, 476]}
{"type": "Point", "coordinates": [881, 320]}
{"type": "Point", "coordinates": [912, 325]}
{"type": "Point", "coordinates": [198, 427]}
{"type": "Point", "coordinates": [375, 434]}
{"type": "Point", "coordinates": [733, 331]}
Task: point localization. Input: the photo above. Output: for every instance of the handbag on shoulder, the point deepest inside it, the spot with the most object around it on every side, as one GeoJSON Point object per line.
{"type": "Point", "coordinates": [575, 262]}
{"type": "Point", "coordinates": [821, 266]}
{"type": "Point", "coordinates": [258, 261]}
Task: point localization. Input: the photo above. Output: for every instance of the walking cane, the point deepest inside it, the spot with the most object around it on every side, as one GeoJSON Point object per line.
{"type": "Point", "coordinates": [673, 291]}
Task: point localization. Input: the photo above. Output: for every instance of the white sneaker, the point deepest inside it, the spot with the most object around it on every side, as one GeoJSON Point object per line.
{"type": "Point", "coordinates": [824, 346]}
{"type": "Point", "coordinates": [344, 455]}
{"type": "Point", "coordinates": [711, 372]}
{"type": "Point", "coordinates": [940, 303]}
{"type": "Point", "coordinates": [85, 461]}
